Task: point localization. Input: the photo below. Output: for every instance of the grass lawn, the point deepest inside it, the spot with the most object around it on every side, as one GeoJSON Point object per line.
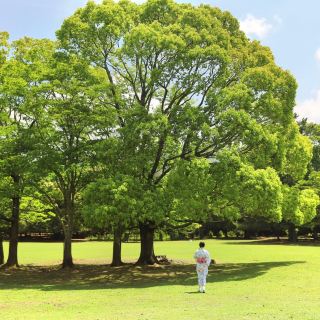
{"type": "Point", "coordinates": [252, 280]}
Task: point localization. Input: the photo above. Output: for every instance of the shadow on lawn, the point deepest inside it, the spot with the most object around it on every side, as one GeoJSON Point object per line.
{"type": "Point", "coordinates": [91, 277]}
{"type": "Point", "coordinates": [274, 241]}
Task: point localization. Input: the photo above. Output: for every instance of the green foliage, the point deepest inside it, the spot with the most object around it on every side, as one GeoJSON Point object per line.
{"type": "Point", "coordinates": [110, 202]}
{"type": "Point", "coordinates": [298, 153]}
{"type": "Point", "coordinates": [260, 193]}
{"type": "Point", "coordinates": [240, 190]}
{"type": "Point", "coordinates": [312, 130]}
{"type": "Point", "coordinates": [188, 190]}
{"type": "Point", "coordinates": [5, 203]}
{"type": "Point", "coordinates": [299, 206]}
{"type": "Point", "coordinates": [186, 83]}
{"type": "Point", "coordinates": [35, 216]}
{"type": "Point", "coordinates": [309, 201]}
{"type": "Point", "coordinates": [4, 46]}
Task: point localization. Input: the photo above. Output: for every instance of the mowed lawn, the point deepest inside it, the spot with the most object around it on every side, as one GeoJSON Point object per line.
{"type": "Point", "coordinates": [251, 280]}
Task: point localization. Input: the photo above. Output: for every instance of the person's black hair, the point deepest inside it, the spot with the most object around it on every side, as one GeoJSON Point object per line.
{"type": "Point", "coordinates": [201, 244]}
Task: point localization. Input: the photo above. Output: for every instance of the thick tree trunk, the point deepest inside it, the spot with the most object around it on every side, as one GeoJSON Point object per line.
{"type": "Point", "coordinates": [292, 233]}
{"type": "Point", "coordinates": [248, 234]}
{"type": "Point", "coordinates": [147, 256]}
{"type": "Point", "coordinates": [67, 248]}
{"type": "Point", "coordinates": [1, 250]}
{"type": "Point", "coordinates": [68, 222]}
{"type": "Point", "coordinates": [116, 257]}
{"type": "Point", "coordinates": [14, 229]}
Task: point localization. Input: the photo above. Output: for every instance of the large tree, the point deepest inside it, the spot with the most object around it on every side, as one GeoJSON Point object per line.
{"type": "Point", "coordinates": [185, 82]}
{"type": "Point", "coordinates": [72, 106]}
{"type": "Point", "coordinates": [299, 208]}
{"type": "Point", "coordinates": [17, 82]}
{"type": "Point", "coordinates": [312, 179]}
{"type": "Point", "coordinates": [111, 203]}
{"type": "Point", "coordinates": [300, 201]}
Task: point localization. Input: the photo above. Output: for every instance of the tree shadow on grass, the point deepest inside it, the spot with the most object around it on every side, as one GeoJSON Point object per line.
{"type": "Point", "coordinates": [91, 277]}
{"type": "Point", "coordinates": [274, 241]}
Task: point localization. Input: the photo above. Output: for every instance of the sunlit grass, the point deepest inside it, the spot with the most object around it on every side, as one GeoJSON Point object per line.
{"type": "Point", "coordinates": [250, 281]}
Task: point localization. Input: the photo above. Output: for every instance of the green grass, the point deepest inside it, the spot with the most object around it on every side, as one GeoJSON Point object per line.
{"type": "Point", "coordinates": [252, 280]}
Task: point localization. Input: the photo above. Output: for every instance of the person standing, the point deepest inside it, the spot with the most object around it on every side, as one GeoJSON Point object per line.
{"type": "Point", "coordinates": [203, 261]}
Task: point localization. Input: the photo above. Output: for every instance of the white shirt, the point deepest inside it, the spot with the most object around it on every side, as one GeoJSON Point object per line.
{"type": "Point", "coordinates": [202, 257]}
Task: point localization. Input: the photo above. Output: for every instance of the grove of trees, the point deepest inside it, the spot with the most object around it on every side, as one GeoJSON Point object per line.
{"type": "Point", "coordinates": [151, 117]}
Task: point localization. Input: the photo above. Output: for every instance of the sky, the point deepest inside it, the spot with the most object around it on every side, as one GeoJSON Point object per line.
{"type": "Point", "coordinates": [289, 27]}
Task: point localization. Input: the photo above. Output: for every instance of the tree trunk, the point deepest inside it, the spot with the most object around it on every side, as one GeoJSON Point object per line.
{"type": "Point", "coordinates": [248, 234]}
{"type": "Point", "coordinates": [315, 234]}
{"type": "Point", "coordinates": [14, 229]}
{"type": "Point", "coordinates": [68, 213]}
{"type": "Point", "coordinates": [67, 246]}
{"type": "Point", "coordinates": [292, 233]}
{"type": "Point", "coordinates": [116, 257]}
{"type": "Point", "coordinates": [1, 250]}
{"type": "Point", "coordinates": [147, 256]}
